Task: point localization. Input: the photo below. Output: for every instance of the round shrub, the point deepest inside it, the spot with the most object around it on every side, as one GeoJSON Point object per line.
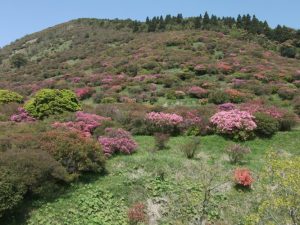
{"type": "Point", "coordinates": [117, 140]}
{"type": "Point", "coordinates": [48, 102]}
{"type": "Point", "coordinates": [236, 124]}
{"type": "Point", "coordinates": [76, 153]}
{"type": "Point", "coordinates": [84, 93]}
{"type": "Point", "coordinates": [243, 177]}
{"type": "Point", "coordinates": [107, 100]}
{"type": "Point", "coordinates": [218, 97]}
{"type": "Point", "coordinates": [287, 121]}
{"type": "Point", "coordinates": [26, 171]}
{"type": "Point", "coordinates": [164, 122]}
{"type": "Point", "coordinates": [266, 124]}
{"type": "Point", "coordinates": [7, 96]}
{"type": "Point", "coordinates": [197, 92]}
{"type": "Point", "coordinates": [287, 93]}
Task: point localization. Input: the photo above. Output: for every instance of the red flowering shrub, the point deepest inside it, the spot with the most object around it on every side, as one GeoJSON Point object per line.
{"type": "Point", "coordinates": [236, 124]}
{"type": "Point", "coordinates": [117, 140]}
{"type": "Point", "coordinates": [84, 93]}
{"type": "Point", "coordinates": [197, 92]}
{"type": "Point", "coordinates": [243, 177]}
{"type": "Point", "coordinates": [85, 123]}
{"type": "Point", "coordinates": [136, 213]}
{"type": "Point", "coordinates": [225, 68]}
{"type": "Point", "coordinates": [236, 96]}
{"type": "Point", "coordinates": [22, 116]}
{"type": "Point", "coordinates": [200, 69]}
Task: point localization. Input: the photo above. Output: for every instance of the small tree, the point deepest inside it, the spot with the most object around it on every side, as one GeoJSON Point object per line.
{"type": "Point", "coordinates": [237, 153]}
{"type": "Point", "coordinates": [189, 149]}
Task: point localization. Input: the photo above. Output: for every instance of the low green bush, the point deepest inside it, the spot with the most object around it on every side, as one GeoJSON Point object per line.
{"type": "Point", "coordinates": [48, 102]}
{"type": "Point", "coordinates": [76, 153]}
{"type": "Point", "coordinates": [218, 97]}
{"type": "Point", "coordinates": [266, 125]}
{"type": "Point", "coordinates": [27, 172]}
{"type": "Point", "coordinates": [7, 96]}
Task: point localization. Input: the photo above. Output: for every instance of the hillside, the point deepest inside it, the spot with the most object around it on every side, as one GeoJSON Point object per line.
{"type": "Point", "coordinates": [87, 51]}
{"type": "Point", "coordinates": [172, 121]}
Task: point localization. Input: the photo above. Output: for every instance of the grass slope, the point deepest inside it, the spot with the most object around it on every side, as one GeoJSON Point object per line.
{"type": "Point", "coordinates": [167, 181]}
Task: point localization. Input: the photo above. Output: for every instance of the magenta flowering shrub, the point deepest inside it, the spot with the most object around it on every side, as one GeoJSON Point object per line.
{"type": "Point", "coordinates": [164, 122]}
{"type": "Point", "coordinates": [85, 123]}
{"type": "Point", "coordinates": [84, 93]}
{"type": "Point", "coordinates": [236, 124]}
{"type": "Point", "coordinates": [192, 124]}
{"type": "Point", "coordinates": [260, 107]}
{"type": "Point", "coordinates": [117, 140]}
{"type": "Point", "coordinates": [22, 116]}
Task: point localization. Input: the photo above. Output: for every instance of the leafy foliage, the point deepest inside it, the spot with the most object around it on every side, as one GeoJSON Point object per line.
{"type": "Point", "coordinates": [7, 96]}
{"type": "Point", "coordinates": [48, 102]}
{"type": "Point", "coordinates": [76, 153]}
{"type": "Point", "coordinates": [281, 200]}
{"type": "Point", "coordinates": [25, 172]}
{"type": "Point", "coordinates": [266, 125]}
{"type": "Point", "coordinates": [90, 205]}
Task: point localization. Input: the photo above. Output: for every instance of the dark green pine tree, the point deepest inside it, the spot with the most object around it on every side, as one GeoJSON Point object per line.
{"type": "Point", "coordinates": [136, 26]}
{"type": "Point", "coordinates": [214, 20]}
{"type": "Point", "coordinates": [168, 19]}
{"type": "Point", "coordinates": [239, 22]}
{"type": "Point", "coordinates": [206, 21]}
{"type": "Point", "coordinates": [198, 22]}
{"type": "Point", "coordinates": [162, 25]}
{"type": "Point", "coordinates": [179, 18]}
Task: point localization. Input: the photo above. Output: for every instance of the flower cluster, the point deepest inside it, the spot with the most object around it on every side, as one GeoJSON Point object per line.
{"type": "Point", "coordinates": [197, 92]}
{"type": "Point", "coordinates": [84, 93]}
{"type": "Point", "coordinates": [22, 116]}
{"type": "Point", "coordinates": [85, 123]}
{"type": "Point", "coordinates": [164, 119]}
{"type": "Point", "coordinates": [260, 107]}
{"type": "Point", "coordinates": [243, 177]}
{"type": "Point", "coordinates": [117, 140]}
{"type": "Point", "coordinates": [238, 124]}
{"type": "Point", "coordinates": [235, 96]}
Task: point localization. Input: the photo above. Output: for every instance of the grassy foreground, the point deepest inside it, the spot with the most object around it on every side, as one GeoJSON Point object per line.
{"type": "Point", "coordinates": [171, 186]}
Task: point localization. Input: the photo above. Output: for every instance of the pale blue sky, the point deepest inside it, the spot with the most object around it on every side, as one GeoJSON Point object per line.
{"type": "Point", "coordinates": [21, 17]}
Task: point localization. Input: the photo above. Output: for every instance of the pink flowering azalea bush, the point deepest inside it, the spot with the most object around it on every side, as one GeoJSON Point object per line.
{"type": "Point", "coordinates": [236, 124]}
{"type": "Point", "coordinates": [22, 116]}
{"type": "Point", "coordinates": [197, 92]}
{"type": "Point", "coordinates": [164, 122]}
{"type": "Point", "coordinates": [84, 93]}
{"type": "Point", "coordinates": [85, 123]}
{"type": "Point", "coordinates": [117, 140]}
{"type": "Point", "coordinates": [193, 123]}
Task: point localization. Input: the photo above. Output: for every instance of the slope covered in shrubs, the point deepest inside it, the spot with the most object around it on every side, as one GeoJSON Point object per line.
{"type": "Point", "coordinates": [181, 120]}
